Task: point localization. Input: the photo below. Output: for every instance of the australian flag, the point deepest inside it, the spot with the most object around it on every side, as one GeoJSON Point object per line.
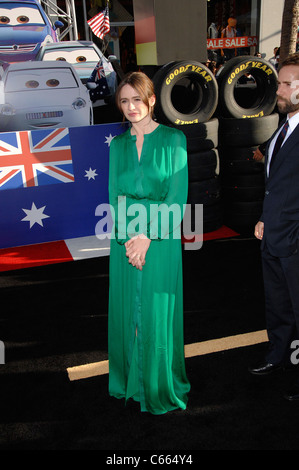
{"type": "Point", "coordinates": [98, 76]}
{"type": "Point", "coordinates": [51, 182]}
{"type": "Point", "coordinates": [35, 158]}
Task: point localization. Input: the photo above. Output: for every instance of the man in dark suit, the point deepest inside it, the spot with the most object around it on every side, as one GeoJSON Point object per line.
{"type": "Point", "coordinates": [278, 229]}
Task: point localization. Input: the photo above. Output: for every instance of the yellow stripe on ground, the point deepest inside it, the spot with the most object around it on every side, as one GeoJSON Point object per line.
{"type": "Point", "coordinates": [191, 350]}
{"type": "Point", "coordinates": [222, 344]}
{"type": "Point", "coordinates": [88, 370]}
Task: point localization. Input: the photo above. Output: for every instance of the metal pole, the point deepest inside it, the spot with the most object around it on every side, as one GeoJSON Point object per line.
{"type": "Point", "coordinates": [86, 27]}
{"type": "Point", "coordinates": [74, 20]}
{"type": "Point", "coordinates": [69, 20]}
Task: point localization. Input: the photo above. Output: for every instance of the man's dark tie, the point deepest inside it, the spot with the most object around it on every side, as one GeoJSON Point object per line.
{"type": "Point", "coordinates": [279, 141]}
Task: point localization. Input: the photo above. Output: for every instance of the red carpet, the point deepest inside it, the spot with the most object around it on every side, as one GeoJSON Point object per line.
{"type": "Point", "coordinates": [222, 232]}
{"type": "Point", "coordinates": [34, 255]}
{"type": "Point", "coordinates": [58, 252]}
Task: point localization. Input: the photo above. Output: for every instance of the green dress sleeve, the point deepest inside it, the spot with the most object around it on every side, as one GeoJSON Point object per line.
{"type": "Point", "coordinates": [159, 201]}
{"type": "Point", "coordinates": [165, 215]}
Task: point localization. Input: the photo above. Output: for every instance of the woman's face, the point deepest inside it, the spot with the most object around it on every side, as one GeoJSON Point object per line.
{"type": "Point", "coordinates": [132, 106]}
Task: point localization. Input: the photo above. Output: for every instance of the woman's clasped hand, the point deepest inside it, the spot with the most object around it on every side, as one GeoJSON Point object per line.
{"type": "Point", "coordinates": [136, 249]}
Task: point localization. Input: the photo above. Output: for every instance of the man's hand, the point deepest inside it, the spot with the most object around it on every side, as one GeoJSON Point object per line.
{"type": "Point", "coordinates": [257, 155]}
{"type": "Point", "coordinates": [259, 230]}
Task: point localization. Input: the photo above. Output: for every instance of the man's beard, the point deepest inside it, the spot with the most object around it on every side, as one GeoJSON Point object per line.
{"type": "Point", "coordinates": [286, 107]}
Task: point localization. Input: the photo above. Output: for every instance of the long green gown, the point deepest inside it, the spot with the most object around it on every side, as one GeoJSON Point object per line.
{"type": "Point", "coordinates": [145, 326]}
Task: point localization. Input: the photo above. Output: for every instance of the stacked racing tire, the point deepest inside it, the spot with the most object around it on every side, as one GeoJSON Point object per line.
{"type": "Point", "coordinates": [247, 99]}
{"type": "Point", "coordinates": [187, 97]}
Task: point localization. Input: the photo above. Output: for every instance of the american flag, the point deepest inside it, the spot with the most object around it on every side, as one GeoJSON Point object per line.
{"type": "Point", "coordinates": [29, 159]}
{"type": "Point", "coordinates": [100, 24]}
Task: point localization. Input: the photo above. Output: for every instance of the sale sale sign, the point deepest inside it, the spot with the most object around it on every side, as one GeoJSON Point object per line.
{"type": "Point", "coordinates": [231, 43]}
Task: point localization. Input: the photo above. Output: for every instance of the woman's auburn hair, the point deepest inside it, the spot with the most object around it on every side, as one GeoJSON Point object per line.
{"type": "Point", "coordinates": [141, 83]}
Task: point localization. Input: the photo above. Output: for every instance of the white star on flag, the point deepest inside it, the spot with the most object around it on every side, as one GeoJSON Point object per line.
{"type": "Point", "coordinates": [34, 215]}
{"type": "Point", "coordinates": [109, 139]}
{"type": "Point", "coordinates": [90, 174]}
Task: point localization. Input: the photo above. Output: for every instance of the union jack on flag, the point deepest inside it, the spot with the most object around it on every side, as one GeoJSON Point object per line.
{"type": "Point", "coordinates": [100, 24]}
{"type": "Point", "coordinates": [100, 71]}
{"type": "Point", "coordinates": [29, 159]}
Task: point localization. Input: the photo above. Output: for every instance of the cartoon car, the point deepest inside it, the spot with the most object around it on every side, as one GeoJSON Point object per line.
{"type": "Point", "coordinates": [24, 26]}
{"type": "Point", "coordinates": [83, 55]}
{"type": "Point", "coordinates": [36, 95]}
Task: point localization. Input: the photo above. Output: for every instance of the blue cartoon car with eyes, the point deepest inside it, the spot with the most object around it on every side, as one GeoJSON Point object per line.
{"type": "Point", "coordinates": [24, 27]}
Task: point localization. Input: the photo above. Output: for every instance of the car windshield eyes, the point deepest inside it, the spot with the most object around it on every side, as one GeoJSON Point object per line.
{"type": "Point", "coordinates": [22, 19]}
{"type": "Point", "coordinates": [53, 82]}
{"type": "Point", "coordinates": [61, 58]}
{"type": "Point", "coordinates": [32, 84]}
{"type": "Point", "coordinates": [81, 58]}
{"type": "Point", "coordinates": [50, 83]}
{"type": "Point", "coordinates": [4, 20]}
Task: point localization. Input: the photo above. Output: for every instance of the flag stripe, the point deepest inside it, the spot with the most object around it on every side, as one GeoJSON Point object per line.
{"type": "Point", "coordinates": [65, 174]}
{"type": "Point", "coordinates": [26, 152]}
{"type": "Point", "coordinates": [8, 175]}
{"type": "Point", "coordinates": [100, 24]}
{"type": "Point", "coordinates": [49, 138]}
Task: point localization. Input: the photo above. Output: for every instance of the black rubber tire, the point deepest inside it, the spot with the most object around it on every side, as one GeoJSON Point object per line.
{"type": "Point", "coordinates": [204, 192]}
{"type": "Point", "coordinates": [244, 180]}
{"type": "Point", "coordinates": [231, 154]}
{"type": "Point", "coordinates": [202, 165]}
{"type": "Point", "coordinates": [245, 194]}
{"type": "Point", "coordinates": [241, 167]}
{"type": "Point", "coordinates": [254, 99]}
{"type": "Point", "coordinates": [239, 160]}
{"type": "Point", "coordinates": [247, 132]}
{"type": "Point", "coordinates": [202, 136]}
{"type": "Point", "coordinates": [186, 93]}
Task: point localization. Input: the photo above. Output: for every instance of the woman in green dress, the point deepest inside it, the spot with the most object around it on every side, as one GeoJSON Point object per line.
{"type": "Point", "coordinates": [148, 183]}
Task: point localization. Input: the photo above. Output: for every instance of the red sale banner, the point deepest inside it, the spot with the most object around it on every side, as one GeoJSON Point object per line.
{"type": "Point", "coordinates": [231, 43]}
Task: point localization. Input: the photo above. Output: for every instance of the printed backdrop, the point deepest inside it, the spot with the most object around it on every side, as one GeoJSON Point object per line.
{"type": "Point", "coordinates": [51, 182]}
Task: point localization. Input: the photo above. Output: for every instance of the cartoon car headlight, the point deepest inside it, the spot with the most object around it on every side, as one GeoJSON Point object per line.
{"type": "Point", "coordinates": [79, 103]}
{"type": "Point", "coordinates": [7, 110]}
{"type": "Point", "coordinates": [47, 39]}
